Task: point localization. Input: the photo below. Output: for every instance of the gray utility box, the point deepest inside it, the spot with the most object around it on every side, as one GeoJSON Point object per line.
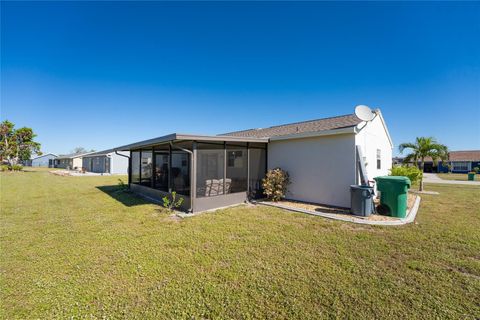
{"type": "Point", "coordinates": [361, 200]}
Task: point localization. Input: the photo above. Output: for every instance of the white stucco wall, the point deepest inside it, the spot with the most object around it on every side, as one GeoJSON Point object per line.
{"type": "Point", "coordinates": [370, 138]}
{"type": "Point", "coordinates": [119, 164]}
{"type": "Point", "coordinates": [321, 168]}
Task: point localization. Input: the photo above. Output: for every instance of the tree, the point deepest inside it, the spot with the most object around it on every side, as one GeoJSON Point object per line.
{"type": "Point", "coordinates": [422, 148]}
{"type": "Point", "coordinates": [17, 144]}
{"type": "Point", "coordinates": [79, 150]}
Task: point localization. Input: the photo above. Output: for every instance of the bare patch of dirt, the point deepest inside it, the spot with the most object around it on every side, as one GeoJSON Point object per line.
{"type": "Point", "coordinates": [313, 207]}
{"type": "Point", "coordinates": [63, 173]}
{"type": "Point", "coordinates": [410, 201]}
{"type": "Point", "coordinates": [173, 217]}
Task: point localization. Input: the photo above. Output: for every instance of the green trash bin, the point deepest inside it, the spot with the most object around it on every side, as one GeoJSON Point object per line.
{"type": "Point", "coordinates": [471, 176]}
{"type": "Point", "coordinates": [393, 195]}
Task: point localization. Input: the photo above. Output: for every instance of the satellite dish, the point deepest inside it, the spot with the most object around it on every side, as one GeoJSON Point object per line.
{"type": "Point", "coordinates": [364, 113]}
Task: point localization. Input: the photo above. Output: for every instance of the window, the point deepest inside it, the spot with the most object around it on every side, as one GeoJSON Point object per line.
{"type": "Point", "coordinates": [232, 156]}
{"type": "Point", "coordinates": [210, 167]}
{"type": "Point", "coordinates": [161, 171]}
{"type": "Point", "coordinates": [460, 166]}
{"type": "Point", "coordinates": [146, 168]}
{"type": "Point", "coordinates": [258, 168]}
{"type": "Point", "coordinates": [180, 172]}
{"type": "Point", "coordinates": [236, 178]}
{"type": "Point", "coordinates": [379, 159]}
{"type": "Point", "coordinates": [135, 170]}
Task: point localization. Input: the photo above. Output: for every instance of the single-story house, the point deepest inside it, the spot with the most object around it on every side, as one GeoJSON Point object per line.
{"type": "Point", "coordinates": [216, 171]}
{"type": "Point", "coordinates": [45, 160]}
{"type": "Point", "coordinates": [106, 161]}
{"type": "Point", "coordinates": [461, 162]}
{"type": "Point", "coordinates": [70, 161]}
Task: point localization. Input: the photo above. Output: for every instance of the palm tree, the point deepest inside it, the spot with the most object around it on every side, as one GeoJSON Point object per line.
{"type": "Point", "coordinates": [422, 148]}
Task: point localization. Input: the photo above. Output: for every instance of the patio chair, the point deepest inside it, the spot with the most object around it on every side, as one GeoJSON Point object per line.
{"type": "Point", "coordinates": [205, 191]}
{"type": "Point", "coordinates": [228, 185]}
{"type": "Point", "coordinates": [217, 188]}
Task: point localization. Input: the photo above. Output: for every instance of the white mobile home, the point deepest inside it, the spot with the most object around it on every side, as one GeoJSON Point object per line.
{"type": "Point", "coordinates": [45, 160]}
{"type": "Point", "coordinates": [107, 161]}
{"type": "Point", "coordinates": [70, 161]}
{"type": "Point", "coordinates": [216, 171]}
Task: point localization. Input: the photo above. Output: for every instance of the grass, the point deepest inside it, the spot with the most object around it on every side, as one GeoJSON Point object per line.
{"type": "Point", "coordinates": [455, 176]}
{"type": "Point", "coordinates": [77, 247]}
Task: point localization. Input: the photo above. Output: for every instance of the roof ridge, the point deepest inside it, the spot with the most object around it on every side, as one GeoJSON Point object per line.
{"type": "Point", "coordinates": [305, 121]}
{"type": "Point", "coordinates": [290, 124]}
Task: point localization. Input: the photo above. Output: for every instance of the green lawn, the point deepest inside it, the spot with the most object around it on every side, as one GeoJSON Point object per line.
{"type": "Point", "coordinates": [76, 247]}
{"type": "Point", "coordinates": [455, 176]}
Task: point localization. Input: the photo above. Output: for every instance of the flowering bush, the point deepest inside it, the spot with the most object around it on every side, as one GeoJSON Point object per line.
{"type": "Point", "coordinates": [275, 184]}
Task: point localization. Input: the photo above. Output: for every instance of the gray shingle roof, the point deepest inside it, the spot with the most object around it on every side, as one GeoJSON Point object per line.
{"type": "Point", "coordinates": [72, 155]}
{"type": "Point", "coordinates": [99, 153]}
{"type": "Point", "coordinates": [332, 123]}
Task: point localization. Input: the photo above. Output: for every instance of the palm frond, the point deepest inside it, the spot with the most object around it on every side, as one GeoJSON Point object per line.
{"type": "Point", "coordinates": [406, 145]}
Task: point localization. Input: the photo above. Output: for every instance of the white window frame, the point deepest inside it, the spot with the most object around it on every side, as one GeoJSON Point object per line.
{"type": "Point", "coordinates": [461, 165]}
{"type": "Point", "coordinates": [379, 159]}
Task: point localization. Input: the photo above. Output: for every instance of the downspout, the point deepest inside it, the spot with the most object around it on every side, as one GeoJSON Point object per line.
{"type": "Point", "coordinates": [191, 170]}
{"type": "Point", "coordinates": [119, 154]}
{"type": "Point", "coordinates": [358, 155]}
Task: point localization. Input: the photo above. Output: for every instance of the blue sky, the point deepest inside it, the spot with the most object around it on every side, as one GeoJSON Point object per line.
{"type": "Point", "coordinates": [103, 74]}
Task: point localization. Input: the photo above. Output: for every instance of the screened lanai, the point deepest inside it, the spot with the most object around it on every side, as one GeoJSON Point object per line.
{"type": "Point", "coordinates": [208, 171]}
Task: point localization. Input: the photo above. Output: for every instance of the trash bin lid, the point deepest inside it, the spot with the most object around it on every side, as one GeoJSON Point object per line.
{"type": "Point", "coordinates": [393, 179]}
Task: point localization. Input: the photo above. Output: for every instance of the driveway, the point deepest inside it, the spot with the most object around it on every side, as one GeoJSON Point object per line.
{"type": "Point", "coordinates": [433, 178]}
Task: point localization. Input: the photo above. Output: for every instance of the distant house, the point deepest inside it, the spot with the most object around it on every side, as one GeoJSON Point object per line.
{"type": "Point", "coordinates": [45, 160]}
{"type": "Point", "coordinates": [321, 156]}
{"type": "Point", "coordinates": [106, 161]}
{"type": "Point", "coordinates": [70, 161]}
{"type": "Point", "coordinates": [397, 161]}
{"type": "Point", "coordinates": [461, 162]}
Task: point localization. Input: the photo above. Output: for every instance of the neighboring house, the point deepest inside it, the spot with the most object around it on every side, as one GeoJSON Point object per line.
{"type": "Point", "coordinates": [70, 161]}
{"type": "Point", "coordinates": [45, 160]}
{"type": "Point", "coordinates": [460, 161]}
{"type": "Point", "coordinates": [397, 161]}
{"type": "Point", "coordinates": [217, 171]}
{"type": "Point", "coordinates": [107, 161]}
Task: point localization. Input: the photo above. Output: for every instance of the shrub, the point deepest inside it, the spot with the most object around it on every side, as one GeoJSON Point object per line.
{"type": "Point", "coordinates": [5, 167]}
{"type": "Point", "coordinates": [275, 184]}
{"type": "Point", "coordinates": [413, 173]}
{"type": "Point", "coordinates": [17, 167]}
{"type": "Point", "coordinates": [449, 168]}
{"type": "Point", "coordinates": [122, 185]}
{"type": "Point", "coordinates": [476, 169]}
{"type": "Point", "coordinates": [171, 202]}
